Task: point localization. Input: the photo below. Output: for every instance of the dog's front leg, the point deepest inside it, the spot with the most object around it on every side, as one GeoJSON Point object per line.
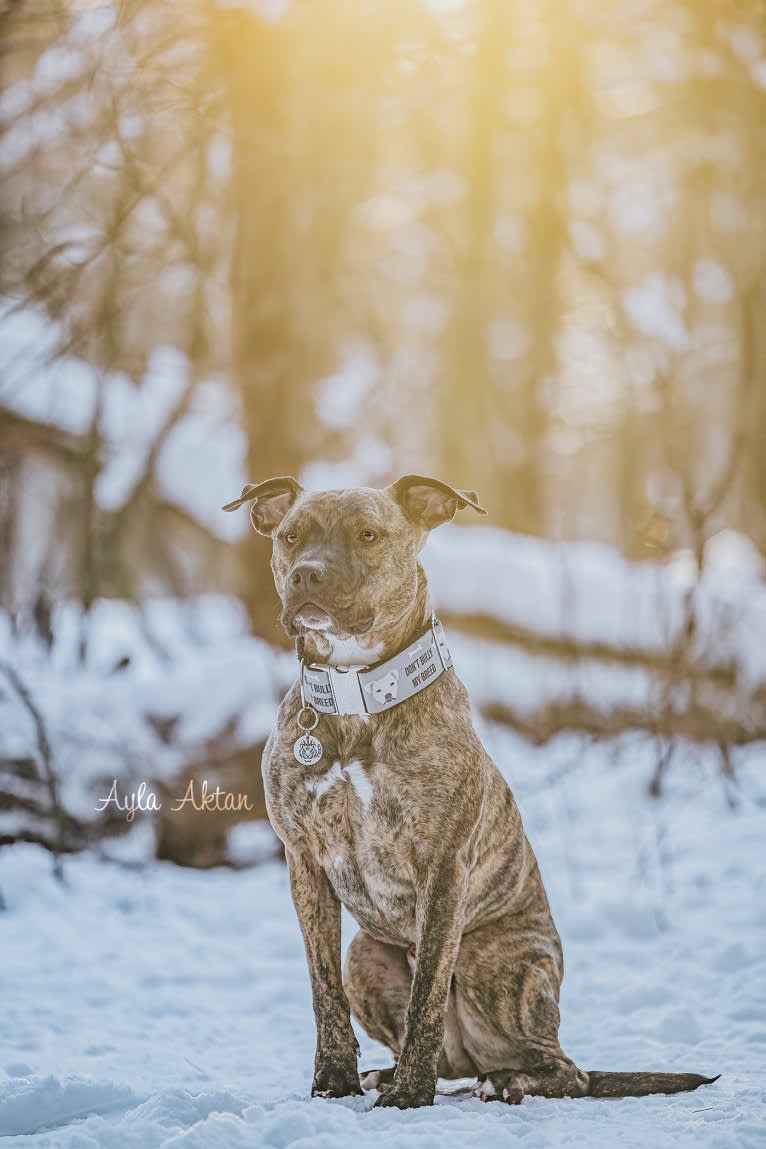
{"type": "Point", "coordinates": [335, 1064]}
{"type": "Point", "coordinates": [439, 930]}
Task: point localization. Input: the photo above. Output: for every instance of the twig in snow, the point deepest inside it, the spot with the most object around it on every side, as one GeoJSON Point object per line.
{"type": "Point", "coordinates": [46, 761]}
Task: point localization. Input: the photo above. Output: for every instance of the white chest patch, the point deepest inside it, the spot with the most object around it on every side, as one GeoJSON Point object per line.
{"type": "Point", "coordinates": [360, 780]}
{"type": "Point", "coordinates": [354, 773]}
{"type": "Point", "coordinates": [349, 652]}
{"type": "Point", "coordinates": [319, 786]}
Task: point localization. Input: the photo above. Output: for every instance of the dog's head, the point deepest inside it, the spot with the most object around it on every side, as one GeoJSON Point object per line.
{"type": "Point", "coordinates": [384, 689]}
{"type": "Point", "coordinates": [345, 561]}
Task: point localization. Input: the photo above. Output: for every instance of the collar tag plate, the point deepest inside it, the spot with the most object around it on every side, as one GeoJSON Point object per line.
{"type": "Point", "coordinates": [331, 690]}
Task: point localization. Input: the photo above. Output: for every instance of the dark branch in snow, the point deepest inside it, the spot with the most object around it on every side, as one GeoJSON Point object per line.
{"type": "Point", "coordinates": [45, 760]}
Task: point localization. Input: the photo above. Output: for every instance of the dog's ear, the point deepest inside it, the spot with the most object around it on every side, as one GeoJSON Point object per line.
{"type": "Point", "coordinates": [395, 674]}
{"type": "Point", "coordinates": [428, 502]}
{"type": "Point", "coordinates": [271, 502]}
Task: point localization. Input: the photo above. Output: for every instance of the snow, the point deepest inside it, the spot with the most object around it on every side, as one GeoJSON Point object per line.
{"type": "Point", "coordinates": [209, 430]}
{"type": "Point", "coordinates": [712, 281]}
{"type": "Point", "coordinates": [733, 556]}
{"type": "Point", "coordinates": [758, 72]}
{"type": "Point", "coordinates": [193, 663]}
{"type": "Point", "coordinates": [341, 397]}
{"type": "Point", "coordinates": [585, 198]}
{"type": "Point", "coordinates": [654, 308]}
{"type": "Point", "coordinates": [219, 157]}
{"type": "Point", "coordinates": [588, 240]}
{"type": "Point", "coordinates": [369, 462]}
{"type": "Point", "coordinates": [637, 205]}
{"type": "Point", "coordinates": [30, 1105]}
{"type": "Point", "coordinates": [63, 391]}
{"type": "Point", "coordinates": [745, 41]}
{"type": "Point", "coordinates": [64, 395]}
{"type": "Point", "coordinates": [508, 339]}
{"type": "Point", "coordinates": [589, 592]}
{"type": "Point", "coordinates": [91, 22]}
{"type": "Point", "coordinates": [509, 234]}
{"type": "Point", "coordinates": [132, 418]}
{"type": "Point", "coordinates": [442, 186]}
{"type": "Point", "coordinates": [424, 313]}
{"type": "Point", "coordinates": [164, 1007]}
{"type": "Point", "coordinates": [385, 212]}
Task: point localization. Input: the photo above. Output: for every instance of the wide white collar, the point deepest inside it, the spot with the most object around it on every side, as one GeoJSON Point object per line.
{"type": "Point", "coordinates": [373, 689]}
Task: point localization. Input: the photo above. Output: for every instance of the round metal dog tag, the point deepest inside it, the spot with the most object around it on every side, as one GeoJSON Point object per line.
{"type": "Point", "coordinates": [308, 749]}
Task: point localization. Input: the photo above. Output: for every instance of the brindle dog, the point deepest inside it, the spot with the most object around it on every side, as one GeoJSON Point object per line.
{"type": "Point", "coordinates": [407, 822]}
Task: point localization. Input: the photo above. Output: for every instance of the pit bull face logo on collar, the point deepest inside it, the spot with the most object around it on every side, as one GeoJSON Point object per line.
{"type": "Point", "coordinates": [345, 562]}
{"type": "Point", "coordinates": [384, 689]}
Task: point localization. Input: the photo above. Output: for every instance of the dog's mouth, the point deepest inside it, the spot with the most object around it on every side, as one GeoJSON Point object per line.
{"type": "Point", "coordinates": [311, 616]}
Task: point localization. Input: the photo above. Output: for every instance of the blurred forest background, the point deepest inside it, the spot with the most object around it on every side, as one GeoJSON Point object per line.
{"type": "Point", "coordinates": [518, 245]}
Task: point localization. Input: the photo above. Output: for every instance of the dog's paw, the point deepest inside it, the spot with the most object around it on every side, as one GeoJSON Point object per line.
{"type": "Point", "coordinates": [556, 1079]}
{"type": "Point", "coordinates": [506, 1085]}
{"type": "Point", "coordinates": [335, 1079]}
{"type": "Point", "coordinates": [401, 1096]}
{"type": "Point", "coordinates": [377, 1078]}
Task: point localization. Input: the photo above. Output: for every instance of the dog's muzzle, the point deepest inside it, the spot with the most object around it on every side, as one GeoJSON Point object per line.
{"type": "Point", "coordinates": [313, 616]}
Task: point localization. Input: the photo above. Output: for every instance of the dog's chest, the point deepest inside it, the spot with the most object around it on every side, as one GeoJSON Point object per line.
{"type": "Point", "coordinates": [350, 814]}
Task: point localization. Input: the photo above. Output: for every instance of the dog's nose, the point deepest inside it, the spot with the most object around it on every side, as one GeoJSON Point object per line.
{"type": "Point", "coordinates": [307, 576]}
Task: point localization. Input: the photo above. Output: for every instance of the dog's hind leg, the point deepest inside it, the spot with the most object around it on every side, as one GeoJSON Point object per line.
{"type": "Point", "coordinates": [378, 979]}
{"type": "Point", "coordinates": [507, 1000]}
{"type": "Point", "coordinates": [506, 988]}
{"type": "Point", "coordinates": [533, 1062]}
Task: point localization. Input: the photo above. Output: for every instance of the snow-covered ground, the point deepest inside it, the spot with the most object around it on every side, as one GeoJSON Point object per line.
{"type": "Point", "coordinates": [167, 1007]}
{"type": "Point", "coordinates": [146, 1006]}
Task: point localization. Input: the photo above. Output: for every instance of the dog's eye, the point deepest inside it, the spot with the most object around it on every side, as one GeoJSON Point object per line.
{"type": "Point", "coordinates": [367, 536]}
{"type": "Point", "coordinates": [290, 537]}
